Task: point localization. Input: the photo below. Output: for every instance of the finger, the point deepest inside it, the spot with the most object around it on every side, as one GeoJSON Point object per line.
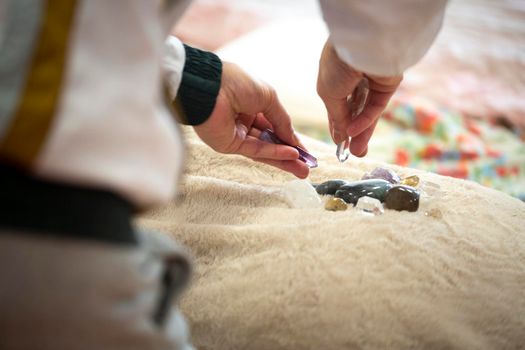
{"type": "Point", "coordinates": [261, 122]}
{"type": "Point", "coordinates": [338, 118]}
{"type": "Point", "coordinates": [331, 130]}
{"type": "Point", "coordinates": [255, 133]}
{"type": "Point", "coordinates": [275, 113]}
{"type": "Point", "coordinates": [263, 99]}
{"type": "Point", "coordinates": [247, 120]}
{"type": "Point", "coordinates": [376, 104]}
{"type": "Point", "coordinates": [359, 143]}
{"type": "Point", "coordinates": [255, 120]}
{"type": "Point", "coordinates": [254, 148]}
{"type": "Point", "coordinates": [363, 153]}
{"type": "Point", "coordinates": [295, 167]}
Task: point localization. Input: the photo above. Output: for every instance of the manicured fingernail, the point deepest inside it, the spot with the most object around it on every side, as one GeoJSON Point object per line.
{"type": "Point", "coordinates": [242, 131]}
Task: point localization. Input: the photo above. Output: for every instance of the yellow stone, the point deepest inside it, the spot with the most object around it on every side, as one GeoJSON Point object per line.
{"type": "Point", "coordinates": [335, 204]}
{"type": "Point", "coordinates": [435, 213]}
{"type": "Point", "coordinates": [412, 181]}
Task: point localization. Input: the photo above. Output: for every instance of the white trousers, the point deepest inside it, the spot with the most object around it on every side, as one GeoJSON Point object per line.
{"type": "Point", "coordinates": [77, 294]}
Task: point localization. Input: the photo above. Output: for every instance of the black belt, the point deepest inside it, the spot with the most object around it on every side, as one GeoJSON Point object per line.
{"type": "Point", "coordinates": [34, 206]}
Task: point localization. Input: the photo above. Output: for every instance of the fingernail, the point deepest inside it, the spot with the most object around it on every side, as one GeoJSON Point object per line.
{"type": "Point", "coordinates": [242, 131]}
{"type": "Point", "coordinates": [338, 137]}
{"type": "Point", "coordinates": [351, 131]}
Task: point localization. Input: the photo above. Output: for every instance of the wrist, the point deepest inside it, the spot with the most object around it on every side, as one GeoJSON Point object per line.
{"type": "Point", "coordinates": [200, 85]}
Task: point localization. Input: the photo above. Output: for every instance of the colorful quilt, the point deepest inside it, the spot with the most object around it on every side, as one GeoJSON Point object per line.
{"type": "Point", "coordinates": [422, 135]}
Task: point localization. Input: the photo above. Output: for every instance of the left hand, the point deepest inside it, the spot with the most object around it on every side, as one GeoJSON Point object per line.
{"type": "Point", "coordinates": [336, 81]}
{"type": "Point", "coordinates": [244, 107]}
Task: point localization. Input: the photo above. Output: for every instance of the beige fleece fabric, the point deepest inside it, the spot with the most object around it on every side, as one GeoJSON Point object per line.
{"type": "Point", "coordinates": [273, 277]}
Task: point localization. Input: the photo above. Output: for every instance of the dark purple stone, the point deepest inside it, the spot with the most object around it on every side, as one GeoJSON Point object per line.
{"type": "Point", "coordinates": [382, 173]}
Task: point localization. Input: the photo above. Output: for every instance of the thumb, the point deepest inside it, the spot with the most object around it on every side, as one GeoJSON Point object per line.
{"type": "Point", "coordinates": [250, 96]}
{"type": "Point", "coordinates": [267, 102]}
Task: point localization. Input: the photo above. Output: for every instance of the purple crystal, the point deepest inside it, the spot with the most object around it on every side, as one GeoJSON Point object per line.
{"type": "Point", "coordinates": [382, 173]}
{"type": "Point", "coordinates": [269, 136]}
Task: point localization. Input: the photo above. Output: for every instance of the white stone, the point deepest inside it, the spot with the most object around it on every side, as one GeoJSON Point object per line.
{"type": "Point", "coordinates": [431, 189]}
{"type": "Point", "coordinates": [301, 194]}
{"type": "Point", "coordinates": [370, 205]}
{"type": "Point", "coordinates": [431, 195]}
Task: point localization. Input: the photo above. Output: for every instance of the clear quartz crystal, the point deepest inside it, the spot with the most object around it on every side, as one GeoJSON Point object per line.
{"type": "Point", "coordinates": [431, 195]}
{"type": "Point", "coordinates": [356, 104]}
{"type": "Point", "coordinates": [301, 194]}
{"type": "Point", "coordinates": [370, 205]}
{"type": "Point", "coordinates": [431, 190]}
{"type": "Point", "coordinates": [343, 151]}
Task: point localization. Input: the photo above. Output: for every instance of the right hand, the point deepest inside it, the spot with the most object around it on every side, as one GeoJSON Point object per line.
{"type": "Point", "coordinates": [336, 81]}
{"type": "Point", "coordinates": [243, 109]}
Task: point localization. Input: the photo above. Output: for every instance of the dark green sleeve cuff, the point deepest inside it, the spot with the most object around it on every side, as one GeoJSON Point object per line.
{"type": "Point", "coordinates": [201, 81]}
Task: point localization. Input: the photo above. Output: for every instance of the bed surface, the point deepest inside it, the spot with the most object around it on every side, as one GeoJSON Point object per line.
{"type": "Point", "coordinates": [273, 277]}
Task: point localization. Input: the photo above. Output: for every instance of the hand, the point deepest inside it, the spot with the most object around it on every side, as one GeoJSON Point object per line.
{"type": "Point", "coordinates": [244, 107]}
{"type": "Point", "coordinates": [336, 81]}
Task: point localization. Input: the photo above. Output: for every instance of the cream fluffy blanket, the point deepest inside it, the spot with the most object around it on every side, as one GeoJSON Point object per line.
{"type": "Point", "coordinates": [273, 277]}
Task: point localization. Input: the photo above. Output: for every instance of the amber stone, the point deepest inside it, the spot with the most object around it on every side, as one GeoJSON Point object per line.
{"type": "Point", "coordinates": [410, 181]}
{"type": "Point", "coordinates": [335, 204]}
{"type": "Point", "coordinates": [401, 197]}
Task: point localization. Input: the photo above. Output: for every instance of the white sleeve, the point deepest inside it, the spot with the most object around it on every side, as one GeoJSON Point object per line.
{"type": "Point", "coordinates": [383, 37]}
{"type": "Point", "coordinates": [173, 64]}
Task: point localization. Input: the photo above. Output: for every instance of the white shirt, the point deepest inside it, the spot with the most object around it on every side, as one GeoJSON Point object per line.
{"type": "Point", "coordinates": [111, 128]}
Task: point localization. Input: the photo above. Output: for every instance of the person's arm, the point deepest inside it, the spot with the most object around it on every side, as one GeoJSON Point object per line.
{"type": "Point", "coordinates": [376, 39]}
{"type": "Point", "coordinates": [383, 37]}
{"type": "Point", "coordinates": [194, 79]}
{"type": "Point", "coordinates": [228, 108]}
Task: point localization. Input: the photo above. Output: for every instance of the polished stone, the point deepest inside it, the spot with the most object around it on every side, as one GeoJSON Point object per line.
{"type": "Point", "coordinates": [335, 204]}
{"type": "Point", "coordinates": [401, 197]}
{"type": "Point", "coordinates": [301, 194]}
{"type": "Point", "coordinates": [382, 173]}
{"type": "Point", "coordinates": [374, 188]}
{"type": "Point", "coordinates": [412, 181]}
{"type": "Point", "coordinates": [370, 205]}
{"type": "Point", "coordinates": [330, 186]}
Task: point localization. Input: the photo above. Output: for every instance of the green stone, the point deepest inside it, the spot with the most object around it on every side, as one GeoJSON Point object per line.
{"type": "Point", "coordinates": [335, 204]}
{"type": "Point", "coordinates": [330, 186]}
{"type": "Point", "coordinates": [352, 191]}
{"type": "Point", "coordinates": [401, 197]}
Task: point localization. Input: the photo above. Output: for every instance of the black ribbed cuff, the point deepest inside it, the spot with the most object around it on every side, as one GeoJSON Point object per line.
{"type": "Point", "coordinates": [201, 81]}
{"type": "Point", "coordinates": [38, 207]}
